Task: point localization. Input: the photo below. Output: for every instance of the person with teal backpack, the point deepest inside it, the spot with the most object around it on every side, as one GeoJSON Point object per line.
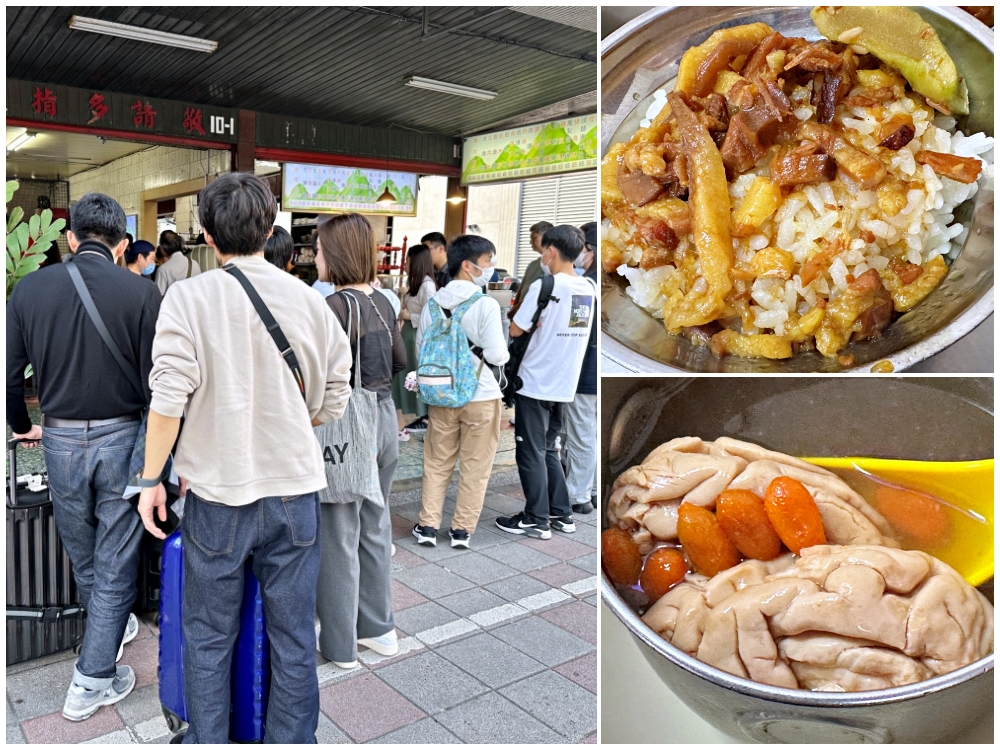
{"type": "Point", "coordinates": [460, 340]}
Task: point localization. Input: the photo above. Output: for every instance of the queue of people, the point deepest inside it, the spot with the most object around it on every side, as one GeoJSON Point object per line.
{"type": "Point", "coordinates": [258, 368]}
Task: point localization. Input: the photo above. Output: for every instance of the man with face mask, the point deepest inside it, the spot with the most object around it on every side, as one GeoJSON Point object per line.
{"type": "Point", "coordinates": [92, 416]}
{"type": "Point", "coordinates": [549, 373]}
{"type": "Point", "coordinates": [534, 270]}
{"type": "Point", "coordinates": [140, 258]}
{"type": "Point", "coordinates": [471, 432]}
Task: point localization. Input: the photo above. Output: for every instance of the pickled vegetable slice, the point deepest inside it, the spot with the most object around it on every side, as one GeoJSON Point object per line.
{"type": "Point", "coordinates": [903, 40]}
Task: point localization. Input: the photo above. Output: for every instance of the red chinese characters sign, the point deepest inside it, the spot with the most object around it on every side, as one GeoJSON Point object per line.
{"type": "Point", "coordinates": [44, 102]}
{"type": "Point", "coordinates": [192, 121]}
{"type": "Point", "coordinates": [97, 108]}
{"type": "Point", "coordinates": [144, 115]}
{"type": "Point", "coordinates": [125, 113]}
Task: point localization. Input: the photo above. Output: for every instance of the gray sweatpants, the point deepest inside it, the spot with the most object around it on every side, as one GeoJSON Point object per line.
{"type": "Point", "coordinates": [580, 423]}
{"type": "Point", "coordinates": [354, 597]}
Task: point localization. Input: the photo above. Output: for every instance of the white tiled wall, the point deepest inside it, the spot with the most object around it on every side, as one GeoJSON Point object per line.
{"type": "Point", "coordinates": [125, 179]}
{"type": "Point", "coordinates": [493, 208]}
{"type": "Point", "coordinates": [430, 212]}
{"type": "Point", "coordinates": [492, 213]}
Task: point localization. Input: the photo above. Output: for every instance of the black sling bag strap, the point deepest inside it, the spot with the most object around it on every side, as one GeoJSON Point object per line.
{"type": "Point", "coordinates": [272, 327]}
{"type": "Point", "coordinates": [88, 304]}
{"type": "Point", "coordinates": [519, 345]}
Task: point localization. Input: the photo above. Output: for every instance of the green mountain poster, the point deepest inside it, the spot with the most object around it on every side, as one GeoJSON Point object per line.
{"type": "Point", "coordinates": [566, 145]}
{"type": "Point", "coordinates": [319, 188]}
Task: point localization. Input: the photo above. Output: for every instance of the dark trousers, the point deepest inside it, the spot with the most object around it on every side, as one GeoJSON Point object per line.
{"type": "Point", "coordinates": [281, 535]}
{"type": "Point", "coordinates": [88, 471]}
{"type": "Point", "coordinates": [536, 427]}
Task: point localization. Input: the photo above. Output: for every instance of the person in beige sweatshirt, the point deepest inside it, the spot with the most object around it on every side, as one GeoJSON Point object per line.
{"type": "Point", "coordinates": [248, 454]}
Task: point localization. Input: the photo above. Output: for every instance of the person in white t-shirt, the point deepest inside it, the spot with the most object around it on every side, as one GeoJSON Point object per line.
{"type": "Point", "coordinates": [549, 373]}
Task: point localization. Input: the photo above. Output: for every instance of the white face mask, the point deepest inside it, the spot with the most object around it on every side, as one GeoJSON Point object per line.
{"type": "Point", "coordinates": [546, 271]}
{"type": "Point", "coordinates": [578, 263]}
{"type": "Point", "coordinates": [484, 276]}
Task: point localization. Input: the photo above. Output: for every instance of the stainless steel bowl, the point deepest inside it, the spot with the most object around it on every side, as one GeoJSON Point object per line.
{"type": "Point", "coordinates": [643, 56]}
{"type": "Point", "coordinates": [804, 416]}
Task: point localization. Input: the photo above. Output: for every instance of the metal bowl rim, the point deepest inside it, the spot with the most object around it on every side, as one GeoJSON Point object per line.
{"type": "Point", "coordinates": [818, 699]}
{"type": "Point", "coordinates": [624, 356]}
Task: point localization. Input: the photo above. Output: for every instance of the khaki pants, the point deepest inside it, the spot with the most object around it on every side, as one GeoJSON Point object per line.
{"type": "Point", "coordinates": [471, 434]}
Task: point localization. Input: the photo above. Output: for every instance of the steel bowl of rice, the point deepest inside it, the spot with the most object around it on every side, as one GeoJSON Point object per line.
{"type": "Point", "coordinates": [795, 189]}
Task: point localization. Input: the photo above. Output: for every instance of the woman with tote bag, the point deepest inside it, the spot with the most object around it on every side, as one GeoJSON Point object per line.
{"type": "Point", "coordinates": [354, 600]}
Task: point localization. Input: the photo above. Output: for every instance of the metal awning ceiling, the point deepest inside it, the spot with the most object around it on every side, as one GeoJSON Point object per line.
{"type": "Point", "coordinates": [339, 64]}
{"type": "Point", "coordinates": [57, 156]}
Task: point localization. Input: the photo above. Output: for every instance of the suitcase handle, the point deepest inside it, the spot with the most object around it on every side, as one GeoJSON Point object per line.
{"type": "Point", "coordinates": [44, 614]}
{"type": "Point", "coordinates": [12, 458]}
{"type": "Point", "coordinates": [12, 479]}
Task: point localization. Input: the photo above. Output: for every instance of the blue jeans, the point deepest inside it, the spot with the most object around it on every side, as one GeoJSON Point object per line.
{"type": "Point", "coordinates": [280, 534]}
{"type": "Point", "coordinates": [101, 531]}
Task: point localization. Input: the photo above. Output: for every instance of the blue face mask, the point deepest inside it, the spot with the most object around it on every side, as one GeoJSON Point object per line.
{"type": "Point", "coordinates": [148, 270]}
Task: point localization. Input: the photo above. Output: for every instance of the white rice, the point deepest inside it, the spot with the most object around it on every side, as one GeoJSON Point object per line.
{"type": "Point", "coordinates": [924, 229]}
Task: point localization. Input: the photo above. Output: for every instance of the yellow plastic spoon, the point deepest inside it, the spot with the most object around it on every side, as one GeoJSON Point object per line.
{"type": "Point", "coordinates": [966, 487]}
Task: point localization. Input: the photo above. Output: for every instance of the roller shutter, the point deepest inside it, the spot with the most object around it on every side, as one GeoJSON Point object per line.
{"type": "Point", "coordinates": [568, 199]}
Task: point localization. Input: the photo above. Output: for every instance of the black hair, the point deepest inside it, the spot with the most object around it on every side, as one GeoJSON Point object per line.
{"type": "Point", "coordinates": [566, 239]}
{"type": "Point", "coordinates": [237, 209]}
{"type": "Point", "coordinates": [589, 234]}
{"type": "Point", "coordinates": [171, 242]}
{"type": "Point", "coordinates": [421, 267]}
{"type": "Point", "coordinates": [97, 217]}
{"type": "Point", "coordinates": [137, 248]}
{"type": "Point", "coordinates": [470, 247]}
{"type": "Point", "coordinates": [540, 228]}
{"type": "Point", "coordinates": [278, 250]}
{"type": "Point", "coordinates": [434, 238]}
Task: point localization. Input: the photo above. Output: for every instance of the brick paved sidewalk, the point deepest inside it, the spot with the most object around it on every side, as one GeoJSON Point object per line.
{"type": "Point", "coordinates": [497, 644]}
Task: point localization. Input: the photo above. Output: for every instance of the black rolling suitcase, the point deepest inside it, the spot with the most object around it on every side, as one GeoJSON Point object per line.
{"type": "Point", "coordinates": [44, 614]}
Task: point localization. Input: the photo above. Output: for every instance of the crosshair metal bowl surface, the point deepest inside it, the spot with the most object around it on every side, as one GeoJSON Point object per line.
{"type": "Point", "coordinates": [789, 414]}
{"type": "Point", "coordinates": [643, 56]}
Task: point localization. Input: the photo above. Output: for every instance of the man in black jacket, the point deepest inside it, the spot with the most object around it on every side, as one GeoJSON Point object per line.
{"type": "Point", "coordinates": [92, 414]}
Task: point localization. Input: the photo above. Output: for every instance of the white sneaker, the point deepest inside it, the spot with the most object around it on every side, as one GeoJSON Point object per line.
{"type": "Point", "coordinates": [82, 703]}
{"type": "Point", "coordinates": [392, 550]}
{"type": "Point", "coordinates": [131, 631]}
{"type": "Point", "coordinates": [347, 664]}
{"type": "Point", "coordinates": [387, 645]}
{"type": "Point", "coordinates": [403, 435]}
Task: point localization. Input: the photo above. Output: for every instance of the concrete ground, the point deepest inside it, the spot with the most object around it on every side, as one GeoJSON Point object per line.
{"type": "Point", "coordinates": [497, 644]}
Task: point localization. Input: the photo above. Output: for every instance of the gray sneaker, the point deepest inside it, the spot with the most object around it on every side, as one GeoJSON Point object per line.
{"type": "Point", "coordinates": [131, 631]}
{"type": "Point", "coordinates": [82, 703]}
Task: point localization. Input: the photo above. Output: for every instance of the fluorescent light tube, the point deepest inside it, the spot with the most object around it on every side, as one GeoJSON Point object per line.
{"type": "Point", "coordinates": [20, 141]}
{"type": "Point", "coordinates": [139, 34]}
{"type": "Point", "coordinates": [444, 87]}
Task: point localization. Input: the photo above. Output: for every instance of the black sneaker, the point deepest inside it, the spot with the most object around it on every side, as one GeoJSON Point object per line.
{"type": "Point", "coordinates": [583, 508]}
{"type": "Point", "coordinates": [418, 426]}
{"type": "Point", "coordinates": [562, 523]}
{"type": "Point", "coordinates": [425, 535]}
{"type": "Point", "coordinates": [459, 538]}
{"type": "Point", "coordinates": [519, 525]}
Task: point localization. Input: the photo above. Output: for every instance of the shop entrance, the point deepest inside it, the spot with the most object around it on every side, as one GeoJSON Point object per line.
{"type": "Point", "coordinates": [156, 184]}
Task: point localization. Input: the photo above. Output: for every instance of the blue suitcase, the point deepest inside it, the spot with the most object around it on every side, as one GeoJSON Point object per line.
{"type": "Point", "coordinates": [251, 653]}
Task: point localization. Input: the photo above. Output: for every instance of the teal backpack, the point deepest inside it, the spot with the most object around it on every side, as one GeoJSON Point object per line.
{"type": "Point", "coordinates": [446, 373]}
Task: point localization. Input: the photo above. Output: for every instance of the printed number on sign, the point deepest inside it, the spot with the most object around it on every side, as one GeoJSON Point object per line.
{"type": "Point", "coordinates": [222, 125]}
